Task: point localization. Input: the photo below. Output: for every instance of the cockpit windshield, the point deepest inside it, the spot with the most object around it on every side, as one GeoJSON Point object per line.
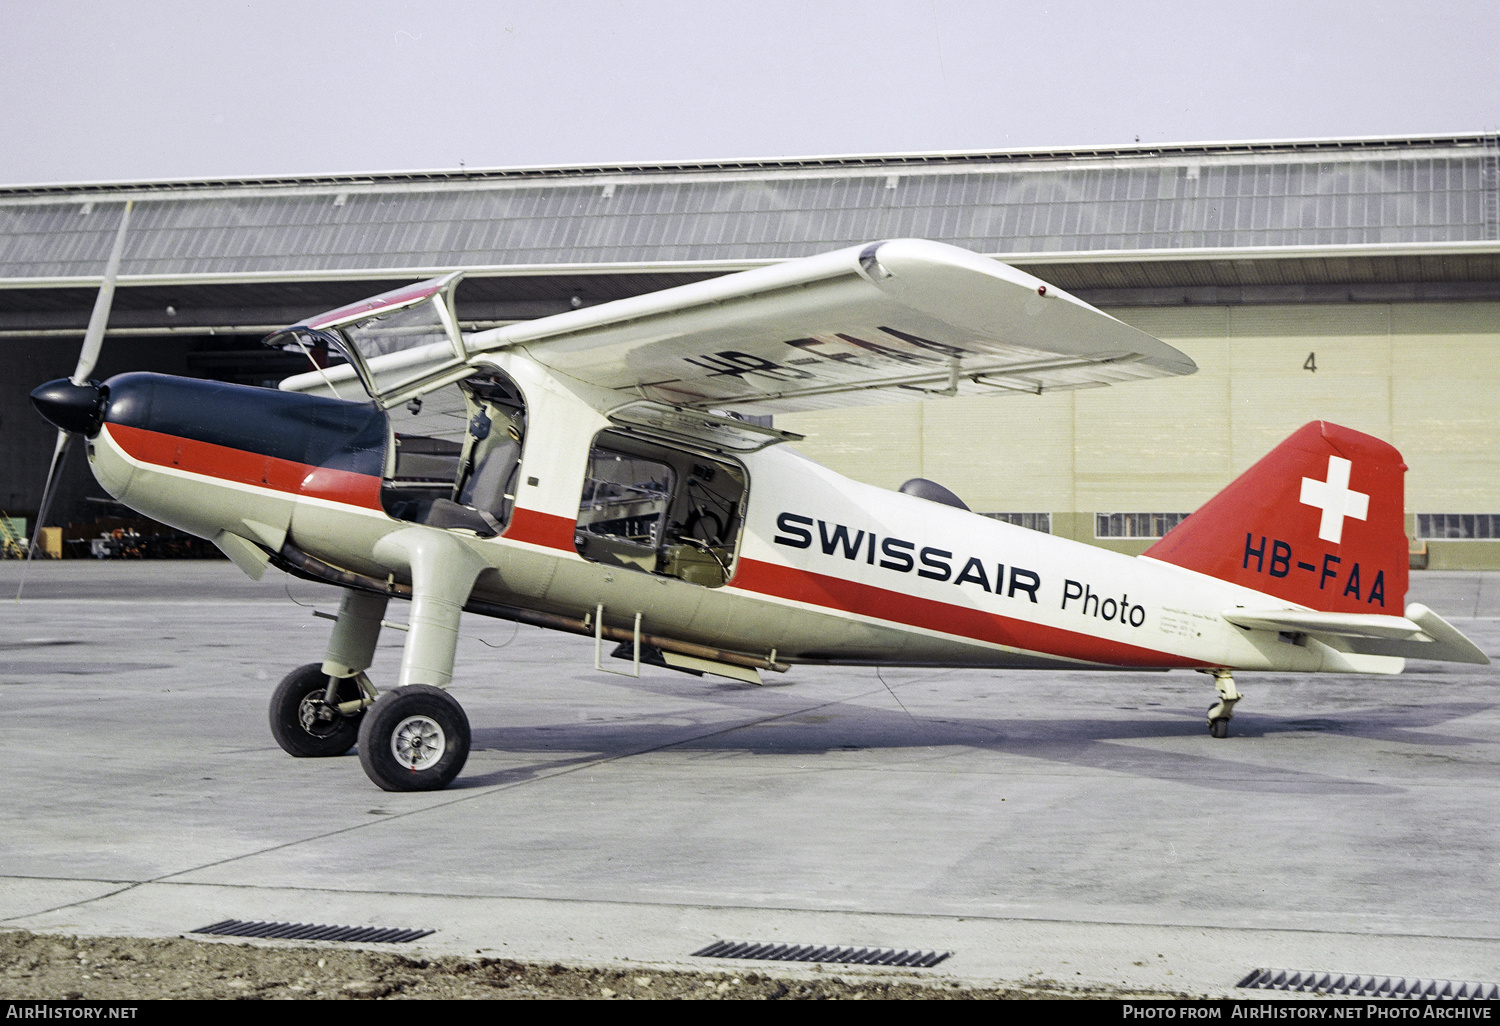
{"type": "Point", "coordinates": [400, 343]}
{"type": "Point", "coordinates": [396, 331]}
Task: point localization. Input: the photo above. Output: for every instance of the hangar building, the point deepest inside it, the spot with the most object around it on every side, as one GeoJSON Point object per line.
{"type": "Point", "coordinates": [1354, 280]}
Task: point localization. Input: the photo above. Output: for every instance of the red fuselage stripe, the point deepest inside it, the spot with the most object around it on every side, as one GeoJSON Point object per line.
{"type": "Point", "coordinates": [537, 528]}
{"type": "Point", "coordinates": [847, 596]}
{"type": "Point", "coordinates": [228, 464]}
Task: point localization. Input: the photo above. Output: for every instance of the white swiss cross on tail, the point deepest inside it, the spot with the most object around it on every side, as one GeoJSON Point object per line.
{"type": "Point", "coordinates": [1335, 499]}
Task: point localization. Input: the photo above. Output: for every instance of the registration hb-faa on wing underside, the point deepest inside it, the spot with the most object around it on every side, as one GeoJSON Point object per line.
{"type": "Point", "coordinates": [580, 472]}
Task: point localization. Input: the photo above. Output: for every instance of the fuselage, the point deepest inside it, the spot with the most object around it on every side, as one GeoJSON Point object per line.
{"type": "Point", "coordinates": [822, 569]}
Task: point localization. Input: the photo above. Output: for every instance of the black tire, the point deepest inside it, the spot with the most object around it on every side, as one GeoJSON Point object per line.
{"type": "Point", "coordinates": [1218, 727]}
{"type": "Point", "coordinates": [303, 724]}
{"type": "Point", "coordinates": [415, 738]}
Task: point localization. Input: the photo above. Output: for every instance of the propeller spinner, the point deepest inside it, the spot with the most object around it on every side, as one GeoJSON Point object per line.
{"type": "Point", "coordinates": [74, 409]}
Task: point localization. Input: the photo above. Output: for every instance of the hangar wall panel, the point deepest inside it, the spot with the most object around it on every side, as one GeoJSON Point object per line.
{"type": "Point", "coordinates": [1160, 448]}
{"type": "Point", "coordinates": [1425, 377]}
{"type": "Point", "coordinates": [1015, 455]}
{"type": "Point", "coordinates": [881, 445]}
{"type": "Point", "coordinates": [1273, 394]}
{"type": "Point", "coordinates": [1446, 406]}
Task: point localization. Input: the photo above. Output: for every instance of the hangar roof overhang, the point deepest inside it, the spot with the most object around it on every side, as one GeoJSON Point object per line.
{"type": "Point", "coordinates": [1310, 220]}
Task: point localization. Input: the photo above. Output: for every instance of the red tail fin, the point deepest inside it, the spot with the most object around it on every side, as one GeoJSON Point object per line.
{"type": "Point", "coordinates": [1319, 521]}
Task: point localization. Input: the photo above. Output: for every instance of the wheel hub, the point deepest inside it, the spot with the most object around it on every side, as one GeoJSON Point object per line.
{"type": "Point", "coordinates": [317, 717]}
{"type": "Point", "coordinates": [418, 743]}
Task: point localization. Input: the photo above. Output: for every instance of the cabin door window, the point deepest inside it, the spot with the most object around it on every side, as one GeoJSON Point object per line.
{"type": "Point", "coordinates": [660, 509]}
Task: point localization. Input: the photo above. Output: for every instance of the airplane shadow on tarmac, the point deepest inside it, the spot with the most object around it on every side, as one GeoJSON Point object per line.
{"type": "Point", "coordinates": [779, 724]}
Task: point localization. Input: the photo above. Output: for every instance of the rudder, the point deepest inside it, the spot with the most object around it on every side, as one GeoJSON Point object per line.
{"type": "Point", "coordinates": [1319, 520]}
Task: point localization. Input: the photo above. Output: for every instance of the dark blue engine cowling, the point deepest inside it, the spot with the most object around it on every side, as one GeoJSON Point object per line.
{"type": "Point", "coordinates": [307, 429]}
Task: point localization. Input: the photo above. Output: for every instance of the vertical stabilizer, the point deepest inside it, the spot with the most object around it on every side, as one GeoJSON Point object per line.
{"type": "Point", "coordinates": [1319, 521]}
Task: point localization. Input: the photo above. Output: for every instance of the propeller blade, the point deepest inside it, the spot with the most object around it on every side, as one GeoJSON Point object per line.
{"type": "Point", "coordinates": [49, 490]}
{"type": "Point", "coordinates": [57, 405]}
{"type": "Point", "coordinates": [93, 338]}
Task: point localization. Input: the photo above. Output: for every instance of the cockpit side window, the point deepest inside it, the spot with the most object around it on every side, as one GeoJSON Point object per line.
{"type": "Point", "coordinates": [624, 508]}
{"type": "Point", "coordinates": [660, 509]}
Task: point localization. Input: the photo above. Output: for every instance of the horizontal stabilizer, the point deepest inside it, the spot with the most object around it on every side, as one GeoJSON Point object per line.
{"type": "Point", "coordinates": [1312, 621]}
{"type": "Point", "coordinates": [1448, 643]}
{"type": "Point", "coordinates": [1420, 634]}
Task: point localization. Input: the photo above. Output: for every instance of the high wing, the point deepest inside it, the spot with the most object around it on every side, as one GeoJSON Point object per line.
{"type": "Point", "coordinates": [1420, 634]}
{"type": "Point", "coordinates": [902, 319]}
{"type": "Point", "coordinates": [889, 320]}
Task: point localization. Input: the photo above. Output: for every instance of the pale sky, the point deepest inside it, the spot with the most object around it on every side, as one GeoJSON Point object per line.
{"type": "Point", "coordinates": [117, 90]}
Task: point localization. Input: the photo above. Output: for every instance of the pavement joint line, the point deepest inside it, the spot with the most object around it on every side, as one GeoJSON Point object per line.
{"type": "Point", "coordinates": [69, 904]}
{"type": "Point", "coordinates": [788, 909]}
{"type": "Point", "coordinates": [484, 792]}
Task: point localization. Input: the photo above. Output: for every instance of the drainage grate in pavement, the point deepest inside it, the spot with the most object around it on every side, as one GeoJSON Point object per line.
{"type": "Point", "coordinates": [1350, 985]}
{"type": "Point", "coordinates": [812, 953]}
{"type": "Point", "coordinates": [311, 931]}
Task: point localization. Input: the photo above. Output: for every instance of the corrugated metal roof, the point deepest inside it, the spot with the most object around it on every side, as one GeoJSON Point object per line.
{"type": "Point", "coordinates": [1398, 195]}
{"type": "Point", "coordinates": [1251, 148]}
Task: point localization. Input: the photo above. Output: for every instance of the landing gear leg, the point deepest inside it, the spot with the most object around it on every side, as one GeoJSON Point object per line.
{"type": "Point", "coordinates": [351, 648]}
{"type": "Point", "coordinates": [1220, 713]}
{"type": "Point", "coordinates": [316, 710]}
{"type": "Point", "coordinates": [416, 737]}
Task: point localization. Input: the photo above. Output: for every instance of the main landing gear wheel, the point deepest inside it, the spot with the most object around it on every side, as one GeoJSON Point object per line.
{"type": "Point", "coordinates": [414, 738]}
{"type": "Point", "coordinates": [305, 725]}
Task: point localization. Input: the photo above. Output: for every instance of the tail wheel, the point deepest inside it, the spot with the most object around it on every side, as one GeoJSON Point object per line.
{"type": "Point", "coordinates": [1218, 726]}
{"type": "Point", "coordinates": [414, 738]}
{"type": "Point", "coordinates": [303, 723]}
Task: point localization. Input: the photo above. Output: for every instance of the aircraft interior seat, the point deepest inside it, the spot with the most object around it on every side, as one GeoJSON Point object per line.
{"type": "Point", "coordinates": [487, 486]}
{"type": "Point", "coordinates": [484, 502]}
{"type": "Point", "coordinates": [446, 513]}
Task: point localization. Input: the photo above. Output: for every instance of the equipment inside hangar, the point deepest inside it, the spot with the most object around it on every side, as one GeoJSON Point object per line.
{"type": "Point", "coordinates": [1353, 280]}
